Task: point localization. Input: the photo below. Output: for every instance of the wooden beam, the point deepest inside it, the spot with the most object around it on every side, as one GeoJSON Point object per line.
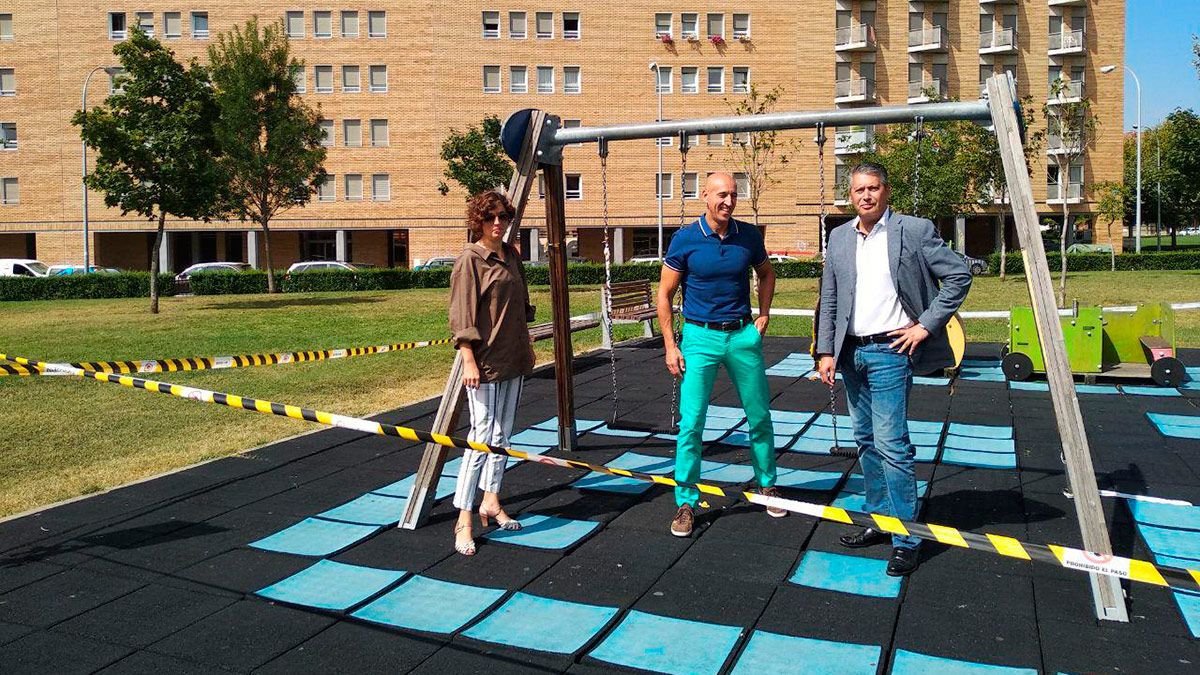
{"type": "Point", "coordinates": [556, 234]}
{"type": "Point", "coordinates": [1106, 590]}
{"type": "Point", "coordinates": [420, 500]}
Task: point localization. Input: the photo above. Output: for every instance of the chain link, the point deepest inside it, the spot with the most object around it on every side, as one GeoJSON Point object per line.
{"type": "Point", "coordinates": [919, 132]}
{"type": "Point", "coordinates": [683, 150]}
{"type": "Point", "coordinates": [820, 140]}
{"type": "Point", "coordinates": [606, 295]}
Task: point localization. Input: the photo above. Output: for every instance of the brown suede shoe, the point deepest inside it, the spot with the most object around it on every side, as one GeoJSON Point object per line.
{"type": "Point", "coordinates": [681, 525]}
{"type": "Point", "coordinates": [773, 511]}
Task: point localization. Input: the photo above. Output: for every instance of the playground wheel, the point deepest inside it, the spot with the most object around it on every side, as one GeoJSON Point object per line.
{"type": "Point", "coordinates": [1167, 372]}
{"type": "Point", "coordinates": [1017, 366]}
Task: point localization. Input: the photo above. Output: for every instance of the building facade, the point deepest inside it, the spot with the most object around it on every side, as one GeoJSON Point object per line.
{"type": "Point", "coordinates": [391, 81]}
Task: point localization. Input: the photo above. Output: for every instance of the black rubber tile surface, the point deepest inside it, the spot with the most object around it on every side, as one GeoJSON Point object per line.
{"type": "Point", "coordinates": [51, 652]}
{"type": "Point", "coordinates": [144, 616]}
{"type": "Point", "coordinates": [62, 596]}
{"type": "Point", "coordinates": [352, 647]}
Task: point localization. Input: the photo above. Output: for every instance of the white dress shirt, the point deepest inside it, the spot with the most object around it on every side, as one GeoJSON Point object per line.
{"type": "Point", "coordinates": [876, 306]}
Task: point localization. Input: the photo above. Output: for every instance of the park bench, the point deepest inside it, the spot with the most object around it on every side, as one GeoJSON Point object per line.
{"type": "Point", "coordinates": [632, 302]}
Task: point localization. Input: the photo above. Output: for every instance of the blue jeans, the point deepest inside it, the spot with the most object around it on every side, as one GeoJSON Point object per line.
{"type": "Point", "coordinates": [877, 384]}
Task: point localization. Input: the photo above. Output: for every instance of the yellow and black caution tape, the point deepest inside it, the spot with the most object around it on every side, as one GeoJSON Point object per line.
{"type": "Point", "coordinates": [218, 362]}
{"type": "Point", "coordinates": [1060, 556]}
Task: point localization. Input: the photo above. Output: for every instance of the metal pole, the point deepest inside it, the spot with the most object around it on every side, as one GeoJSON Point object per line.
{"type": "Point", "coordinates": [87, 240]}
{"type": "Point", "coordinates": [1137, 220]}
{"type": "Point", "coordinates": [658, 179]}
{"type": "Point", "coordinates": [1158, 217]}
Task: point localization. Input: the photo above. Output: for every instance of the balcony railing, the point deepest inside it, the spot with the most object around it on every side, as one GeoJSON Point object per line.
{"type": "Point", "coordinates": [1067, 91]}
{"type": "Point", "coordinates": [928, 39]}
{"type": "Point", "coordinates": [850, 91]}
{"type": "Point", "coordinates": [1054, 192]}
{"type": "Point", "coordinates": [1055, 145]}
{"type": "Point", "coordinates": [855, 38]}
{"type": "Point", "coordinates": [1067, 42]}
{"type": "Point", "coordinates": [852, 140]}
{"type": "Point", "coordinates": [922, 92]}
{"type": "Point", "coordinates": [1063, 3]}
{"type": "Point", "coordinates": [998, 41]}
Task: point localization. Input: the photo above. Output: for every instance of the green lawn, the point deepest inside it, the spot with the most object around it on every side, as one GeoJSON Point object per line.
{"type": "Point", "coordinates": [74, 437]}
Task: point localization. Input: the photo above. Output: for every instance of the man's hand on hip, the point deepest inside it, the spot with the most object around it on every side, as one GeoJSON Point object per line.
{"type": "Point", "coordinates": [827, 368]}
{"type": "Point", "coordinates": [675, 361]}
{"type": "Point", "coordinates": [907, 339]}
{"type": "Point", "coordinates": [761, 324]}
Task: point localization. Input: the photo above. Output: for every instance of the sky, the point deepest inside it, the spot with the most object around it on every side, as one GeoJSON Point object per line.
{"type": "Point", "coordinates": [1158, 47]}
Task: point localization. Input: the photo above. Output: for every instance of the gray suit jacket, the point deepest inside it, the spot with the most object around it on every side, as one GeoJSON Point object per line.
{"type": "Point", "coordinates": [931, 280]}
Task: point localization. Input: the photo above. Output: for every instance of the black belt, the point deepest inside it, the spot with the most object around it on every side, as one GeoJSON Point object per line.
{"type": "Point", "coordinates": [878, 339]}
{"type": "Point", "coordinates": [726, 326]}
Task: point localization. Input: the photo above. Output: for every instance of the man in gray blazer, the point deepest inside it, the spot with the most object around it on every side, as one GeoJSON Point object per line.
{"type": "Point", "coordinates": [889, 287]}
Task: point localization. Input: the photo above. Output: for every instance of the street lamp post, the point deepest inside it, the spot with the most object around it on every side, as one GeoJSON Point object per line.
{"type": "Point", "coordinates": [1137, 219]}
{"type": "Point", "coordinates": [658, 141]}
{"type": "Point", "coordinates": [87, 240]}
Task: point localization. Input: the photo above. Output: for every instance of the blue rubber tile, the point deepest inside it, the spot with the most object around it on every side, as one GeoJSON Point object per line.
{"type": "Point", "coordinates": [315, 537]}
{"type": "Point", "coordinates": [1149, 391]}
{"type": "Point", "coordinates": [854, 483]}
{"type": "Point", "coordinates": [925, 453]}
{"type": "Point", "coordinates": [741, 439]}
{"type": "Point", "coordinates": [707, 436]}
{"type": "Point", "coordinates": [668, 645]}
{"type": "Point", "coordinates": [1171, 542]}
{"type": "Point", "coordinates": [924, 438]}
{"type": "Point", "coordinates": [846, 574]}
{"type": "Point", "coordinates": [787, 428]}
{"type": "Point", "coordinates": [721, 472]}
{"type": "Point", "coordinates": [632, 461]}
{"type": "Point", "coordinates": [979, 430]}
{"type": "Point", "coordinates": [1179, 431]}
{"type": "Point", "coordinates": [982, 375]}
{"type": "Point", "coordinates": [803, 479]}
{"type": "Point", "coordinates": [581, 426]}
{"type": "Point", "coordinates": [332, 585]}
{"type": "Point", "coordinates": [603, 430]}
{"type": "Point", "coordinates": [775, 653]}
{"type": "Point", "coordinates": [543, 624]}
{"type": "Point", "coordinates": [1105, 389]}
{"type": "Point", "coordinates": [369, 509]}
{"type": "Point", "coordinates": [1163, 419]}
{"type": "Point", "coordinates": [826, 420]}
{"type": "Point", "coordinates": [716, 423]}
{"type": "Point", "coordinates": [980, 363]}
{"type": "Point", "coordinates": [401, 488]}
{"type": "Point", "coordinates": [925, 427]}
{"type": "Point", "coordinates": [539, 437]}
{"type": "Point", "coordinates": [548, 532]}
{"type": "Point", "coordinates": [914, 663]}
{"type": "Point", "coordinates": [791, 416]}
{"type": "Point", "coordinates": [810, 446]}
{"type": "Point", "coordinates": [982, 460]}
{"type": "Point", "coordinates": [1029, 386]}
{"type": "Point", "coordinates": [826, 433]}
{"type": "Point", "coordinates": [931, 381]}
{"type": "Point", "coordinates": [1166, 515]}
{"type": "Point", "coordinates": [725, 411]}
{"type": "Point", "coordinates": [430, 605]}
{"type": "Point", "coordinates": [999, 445]}
{"type": "Point", "coordinates": [452, 465]}
{"type": "Point", "coordinates": [1189, 607]}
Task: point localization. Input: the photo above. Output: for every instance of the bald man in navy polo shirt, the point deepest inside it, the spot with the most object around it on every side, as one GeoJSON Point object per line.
{"type": "Point", "coordinates": [711, 259]}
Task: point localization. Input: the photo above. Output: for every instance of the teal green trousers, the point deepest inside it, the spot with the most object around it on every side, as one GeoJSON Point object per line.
{"type": "Point", "coordinates": [704, 351]}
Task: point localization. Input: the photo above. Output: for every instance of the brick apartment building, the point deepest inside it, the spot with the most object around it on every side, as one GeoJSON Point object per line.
{"type": "Point", "coordinates": [391, 79]}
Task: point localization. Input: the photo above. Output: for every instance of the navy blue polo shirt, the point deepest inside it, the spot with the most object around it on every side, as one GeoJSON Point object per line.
{"type": "Point", "coordinates": [716, 271]}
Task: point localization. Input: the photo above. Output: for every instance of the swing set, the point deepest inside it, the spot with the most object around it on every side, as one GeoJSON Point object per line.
{"type": "Point", "coordinates": [534, 139]}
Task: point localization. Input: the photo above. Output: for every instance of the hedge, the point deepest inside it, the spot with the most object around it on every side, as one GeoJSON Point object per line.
{"type": "Point", "coordinates": [84, 286]}
{"type": "Point", "coordinates": [1102, 262]}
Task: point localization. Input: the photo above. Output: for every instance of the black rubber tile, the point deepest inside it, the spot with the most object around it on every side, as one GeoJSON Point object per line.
{"type": "Point", "coordinates": [144, 616]}
{"type": "Point", "coordinates": [249, 490]}
{"type": "Point", "coordinates": [12, 631]}
{"type": "Point", "coordinates": [61, 597]}
{"type": "Point", "coordinates": [829, 615]}
{"type": "Point", "coordinates": [353, 647]}
{"type": "Point", "coordinates": [301, 447]}
{"type": "Point", "coordinates": [1073, 647]}
{"type": "Point", "coordinates": [655, 514]}
{"type": "Point", "coordinates": [473, 657]}
{"type": "Point", "coordinates": [149, 663]}
{"type": "Point", "coordinates": [948, 478]}
{"type": "Point", "coordinates": [594, 505]}
{"type": "Point", "coordinates": [825, 538]}
{"type": "Point", "coordinates": [749, 524]}
{"type": "Point", "coordinates": [24, 568]}
{"type": "Point", "coordinates": [983, 593]}
{"type": "Point", "coordinates": [739, 560]}
{"type": "Point", "coordinates": [239, 572]}
{"type": "Point", "coordinates": [495, 566]}
{"type": "Point", "coordinates": [50, 652]}
{"type": "Point", "coordinates": [409, 550]}
{"type": "Point", "coordinates": [131, 532]}
{"type": "Point", "coordinates": [965, 634]}
{"type": "Point", "coordinates": [992, 511]}
{"type": "Point", "coordinates": [656, 550]}
{"type": "Point", "coordinates": [38, 529]}
{"type": "Point", "coordinates": [243, 636]}
{"type": "Point", "coordinates": [190, 545]}
{"type": "Point", "coordinates": [595, 581]}
{"type": "Point", "coordinates": [684, 594]}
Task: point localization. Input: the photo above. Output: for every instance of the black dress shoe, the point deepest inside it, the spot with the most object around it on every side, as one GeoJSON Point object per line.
{"type": "Point", "coordinates": [868, 536]}
{"type": "Point", "coordinates": [903, 562]}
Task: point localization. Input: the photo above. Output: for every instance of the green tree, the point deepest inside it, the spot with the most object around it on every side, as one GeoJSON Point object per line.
{"type": "Point", "coordinates": [269, 138]}
{"type": "Point", "coordinates": [758, 154]}
{"type": "Point", "coordinates": [992, 181]}
{"type": "Point", "coordinates": [475, 158]}
{"type": "Point", "coordinates": [1070, 129]}
{"type": "Point", "coordinates": [1112, 209]}
{"type": "Point", "coordinates": [1180, 169]}
{"type": "Point", "coordinates": [154, 140]}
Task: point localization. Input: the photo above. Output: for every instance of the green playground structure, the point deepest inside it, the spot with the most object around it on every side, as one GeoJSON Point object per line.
{"type": "Point", "coordinates": [1137, 345]}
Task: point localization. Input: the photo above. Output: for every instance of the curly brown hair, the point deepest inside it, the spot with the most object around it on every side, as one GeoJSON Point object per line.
{"type": "Point", "coordinates": [482, 206]}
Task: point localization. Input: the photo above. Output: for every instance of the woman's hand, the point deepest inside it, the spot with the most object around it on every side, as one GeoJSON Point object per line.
{"type": "Point", "coordinates": [470, 374]}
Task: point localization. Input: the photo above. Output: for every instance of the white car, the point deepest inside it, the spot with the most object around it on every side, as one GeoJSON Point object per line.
{"type": "Point", "coordinates": [780, 257]}
{"type": "Point", "coordinates": [22, 267]}
{"type": "Point", "coordinates": [211, 267]}
{"type": "Point", "coordinates": [645, 259]}
{"type": "Point", "coordinates": [313, 265]}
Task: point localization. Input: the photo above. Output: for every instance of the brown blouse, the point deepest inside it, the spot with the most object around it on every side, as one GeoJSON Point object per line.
{"type": "Point", "coordinates": [489, 308]}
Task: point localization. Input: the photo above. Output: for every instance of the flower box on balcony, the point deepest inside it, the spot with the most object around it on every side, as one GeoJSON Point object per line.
{"type": "Point", "coordinates": [717, 40]}
{"type": "Point", "coordinates": [666, 38]}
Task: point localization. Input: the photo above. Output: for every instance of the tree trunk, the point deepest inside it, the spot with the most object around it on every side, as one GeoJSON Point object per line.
{"type": "Point", "coordinates": [267, 252]}
{"type": "Point", "coordinates": [154, 255]}
{"type": "Point", "coordinates": [1062, 252]}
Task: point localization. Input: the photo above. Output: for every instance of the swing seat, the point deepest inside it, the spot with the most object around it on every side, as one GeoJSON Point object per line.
{"type": "Point", "coordinates": [618, 423]}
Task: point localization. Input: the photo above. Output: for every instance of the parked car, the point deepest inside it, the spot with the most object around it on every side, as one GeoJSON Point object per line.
{"type": "Point", "coordinates": [64, 270]}
{"type": "Point", "coordinates": [976, 265]}
{"type": "Point", "coordinates": [183, 280]}
{"type": "Point", "coordinates": [645, 259]}
{"type": "Point", "coordinates": [781, 257]}
{"type": "Point", "coordinates": [434, 263]}
{"type": "Point", "coordinates": [314, 265]}
{"type": "Point", "coordinates": [22, 267]}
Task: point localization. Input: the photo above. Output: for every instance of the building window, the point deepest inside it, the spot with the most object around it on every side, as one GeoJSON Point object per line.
{"type": "Point", "coordinates": [323, 79]}
{"type": "Point", "coordinates": [379, 133]}
{"type": "Point", "coordinates": [516, 25]}
{"type": "Point", "coordinates": [491, 79]}
{"type": "Point", "coordinates": [145, 21]}
{"type": "Point", "coordinates": [741, 26]}
{"type": "Point", "coordinates": [743, 185]}
{"type": "Point", "coordinates": [350, 24]}
{"type": "Point", "coordinates": [326, 133]}
{"type": "Point", "coordinates": [299, 79]}
{"type": "Point", "coordinates": [354, 187]}
{"type": "Point", "coordinates": [572, 124]}
{"type": "Point", "coordinates": [716, 80]}
{"type": "Point", "coordinates": [491, 25]}
{"type": "Point", "coordinates": [689, 26]}
{"type": "Point", "coordinates": [8, 135]}
{"type": "Point", "coordinates": [377, 24]}
{"type": "Point", "coordinates": [200, 25]}
{"type": "Point", "coordinates": [666, 186]}
{"type": "Point", "coordinates": [545, 79]}
{"type": "Point", "coordinates": [664, 141]}
{"type": "Point", "coordinates": [352, 133]}
{"type": "Point", "coordinates": [10, 191]}
{"type": "Point", "coordinates": [666, 81]}
{"type": "Point", "coordinates": [574, 183]}
{"type": "Point", "coordinates": [323, 24]}
{"type": "Point", "coordinates": [172, 25]}
{"type": "Point", "coordinates": [378, 79]}
{"type": "Point", "coordinates": [572, 80]}
{"type": "Point", "coordinates": [689, 80]}
{"type": "Point", "coordinates": [518, 79]}
{"type": "Point", "coordinates": [351, 80]}
{"type": "Point", "coordinates": [6, 28]}
{"type": "Point", "coordinates": [691, 185]}
{"type": "Point", "coordinates": [381, 187]}
{"type": "Point", "coordinates": [543, 25]}
{"type": "Point", "coordinates": [741, 80]}
{"type": "Point", "coordinates": [571, 28]}
{"type": "Point", "coordinates": [663, 24]}
{"type": "Point", "coordinates": [326, 191]}
{"type": "Point", "coordinates": [294, 24]}
{"type": "Point", "coordinates": [8, 82]}
{"type": "Point", "coordinates": [716, 25]}
{"type": "Point", "coordinates": [116, 26]}
{"type": "Point", "coordinates": [715, 140]}
{"type": "Point", "coordinates": [741, 138]}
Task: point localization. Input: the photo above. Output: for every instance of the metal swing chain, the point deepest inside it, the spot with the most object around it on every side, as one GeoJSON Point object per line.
{"type": "Point", "coordinates": [683, 150]}
{"type": "Point", "coordinates": [606, 296]}
{"type": "Point", "coordinates": [820, 141]}
{"type": "Point", "coordinates": [918, 132]}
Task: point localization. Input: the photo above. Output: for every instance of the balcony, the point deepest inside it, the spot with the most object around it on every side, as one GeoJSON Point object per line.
{"type": "Point", "coordinates": [857, 38]}
{"type": "Point", "coordinates": [1066, 3]}
{"type": "Point", "coordinates": [1056, 146]}
{"type": "Point", "coordinates": [924, 92]}
{"type": "Point", "coordinates": [853, 140]}
{"type": "Point", "coordinates": [932, 39]}
{"type": "Point", "coordinates": [858, 90]}
{"type": "Point", "coordinates": [1054, 193]}
{"type": "Point", "coordinates": [1067, 42]}
{"type": "Point", "coordinates": [993, 3]}
{"type": "Point", "coordinates": [1065, 91]}
{"type": "Point", "coordinates": [1002, 41]}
